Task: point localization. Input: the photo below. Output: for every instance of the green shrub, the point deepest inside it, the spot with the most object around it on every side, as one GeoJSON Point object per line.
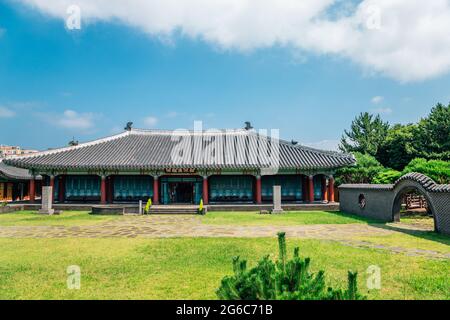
{"type": "Point", "coordinates": [4, 204]}
{"type": "Point", "coordinates": [437, 170]}
{"type": "Point", "coordinates": [282, 280]}
{"type": "Point", "coordinates": [364, 171]}
{"type": "Point", "coordinates": [387, 176]}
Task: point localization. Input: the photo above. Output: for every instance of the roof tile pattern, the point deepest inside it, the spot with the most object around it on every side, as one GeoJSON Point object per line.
{"type": "Point", "coordinates": [13, 173]}
{"type": "Point", "coordinates": [426, 182]}
{"type": "Point", "coordinates": [154, 149]}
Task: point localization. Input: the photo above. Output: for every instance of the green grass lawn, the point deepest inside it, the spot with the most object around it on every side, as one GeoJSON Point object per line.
{"type": "Point", "coordinates": [191, 268]}
{"type": "Point", "coordinates": [76, 218]}
{"type": "Point", "coordinates": [285, 219]}
{"type": "Point", "coordinates": [66, 218]}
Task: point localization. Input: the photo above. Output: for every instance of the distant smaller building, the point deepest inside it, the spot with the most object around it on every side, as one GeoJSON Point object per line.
{"type": "Point", "coordinates": [15, 184]}
{"type": "Point", "coordinates": [6, 151]}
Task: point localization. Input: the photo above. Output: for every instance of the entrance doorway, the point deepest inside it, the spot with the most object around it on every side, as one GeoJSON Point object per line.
{"type": "Point", "coordinates": [412, 205]}
{"type": "Point", "coordinates": [181, 190]}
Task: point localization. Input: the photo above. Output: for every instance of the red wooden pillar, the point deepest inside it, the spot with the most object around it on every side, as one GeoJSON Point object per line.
{"type": "Point", "coordinates": [32, 189]}
{"type": "Point", "coordinates": [110, 187]}
{"type": "Point", "coordinates": [155, 190]}
{"type": "Point", "coordinates": [310, 188]}
{"type": "Point", "coordinates": [205, 190]}
{"type": "Point", "coordinates": [103, 190]}
{"type": "Point", "coordinates": [331, 189]}
{"type": "Point", "coordinates": [258, 190]}
{"type": "Point", "coordinates": [324, 189]}
{"type": "Point", "coordinates": [62, 188]}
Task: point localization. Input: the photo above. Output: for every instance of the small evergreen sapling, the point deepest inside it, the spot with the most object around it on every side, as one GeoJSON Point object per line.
{"type": "Point", "coordinates": [282, 280]}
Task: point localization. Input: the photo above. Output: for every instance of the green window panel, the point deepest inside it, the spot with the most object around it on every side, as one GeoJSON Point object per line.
{"type": "Point", "coordinates": [291, 187]}
{"type": "Point", "coordinates": [132, 188]}
{"type": "Point", "coordinates": [56, 188]}
{"type": "Point", "coordinates": [231, 188]}
{"type": "Point", "coordinates": [198, 192]}
{"type": "Point", "coordinates": [165, 192]}
{"type": "Point", "coordinates": [317, 188]}
{"type": "Point", "coordinates": [82, 187]}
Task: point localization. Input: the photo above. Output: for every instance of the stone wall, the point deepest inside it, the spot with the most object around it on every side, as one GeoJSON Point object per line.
{"type": "Point", "coordinates": [383, 202]}
{"type": "Point", "coordinates": [378, 202]}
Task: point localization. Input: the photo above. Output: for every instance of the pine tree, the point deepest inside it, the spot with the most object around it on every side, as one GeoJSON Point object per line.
{"type": "Point", "coordinates": [282, 280]}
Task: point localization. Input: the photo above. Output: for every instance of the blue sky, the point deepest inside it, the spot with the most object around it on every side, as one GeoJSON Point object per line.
{"type": "Point", "coordinates": [56, 84]}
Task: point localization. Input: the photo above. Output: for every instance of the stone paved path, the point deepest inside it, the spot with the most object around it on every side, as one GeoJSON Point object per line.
{"type": "Point", "coordinates": [166, 226]}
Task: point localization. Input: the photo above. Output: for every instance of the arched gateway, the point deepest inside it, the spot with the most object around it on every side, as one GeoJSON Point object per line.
{"type": "Point", "coordinates": [383, 202]}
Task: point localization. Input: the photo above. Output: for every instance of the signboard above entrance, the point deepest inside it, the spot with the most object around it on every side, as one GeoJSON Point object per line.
{"type": "Point", "coordinates": [180, 170]}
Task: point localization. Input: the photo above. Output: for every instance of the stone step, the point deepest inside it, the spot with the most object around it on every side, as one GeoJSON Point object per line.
{"type": "Point", "coordinates": [173, 211]}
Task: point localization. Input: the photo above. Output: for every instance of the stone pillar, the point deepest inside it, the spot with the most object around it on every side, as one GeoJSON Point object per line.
{"type": "Point", "coordinates": [310, 188]}
{"type": "Point", "coordinates": [205, 190]}
{"type": "Point", "coordinates": [331, 189]}
{"type": "Point", "coordinates": [62, 188]}
{"type": "Point", "coordinates": [324, 189]}
{"type": "Point", "coordinates": [32, 189]}
{"type": "Point", "coordinates": [155, 190]}
{"type": "Point", "coordinates": [277, 200]}
{"type": "Point", "coordinates": [47, 196]}
{"type": "Point", "coordinates": [103, 190]}
{"type": "Point", "coordinates": [258, 190]}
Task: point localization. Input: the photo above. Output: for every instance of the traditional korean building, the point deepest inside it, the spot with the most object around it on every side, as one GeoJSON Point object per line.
{"type": "Point", "coordinates": [232, 166]}
{"type": "Point", "coordinates": [15, 183]}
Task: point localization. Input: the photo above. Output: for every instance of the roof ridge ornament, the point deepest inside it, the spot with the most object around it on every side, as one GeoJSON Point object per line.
{"type": "Point", "coordinates": [129, 126]}
{"type": "Point", "coordinates": [248, 125]}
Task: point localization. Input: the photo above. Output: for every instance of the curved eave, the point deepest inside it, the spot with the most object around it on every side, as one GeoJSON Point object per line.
{"type": "Point", "coordinates": [39, 168]}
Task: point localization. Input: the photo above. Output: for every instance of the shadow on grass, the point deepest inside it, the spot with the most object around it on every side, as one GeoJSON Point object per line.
{"type": "Point", "coordinates": [355, 217]}
{"type": "Point", "coordinates": [423, 234]}
{"type": "Point", "coordinates": [427, 235]}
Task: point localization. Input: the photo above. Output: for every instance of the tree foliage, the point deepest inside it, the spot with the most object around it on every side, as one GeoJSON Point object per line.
{"type": "Point", "coordinates": [433, 134]}
{"type": "Point", "coordinates": [399, 147]}
{"type": "Point", "coordinates": [437, 170]}
{"type": "Point", "coordinates": [364, 171]}
{"type": "Point", "coordinates": [387, 176]}
{"type": "Point", "coordinates": [282, 280]}
{"type": "Point", "coordinates": [366, 135]}
{"type": "Point", "coordinates": [428, 139]}
{"type": "Point", "coordinates": [396, 146]}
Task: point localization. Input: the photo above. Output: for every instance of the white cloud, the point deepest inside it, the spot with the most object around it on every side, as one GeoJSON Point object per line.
{"type": "Point", "coordinates": [382, 110]}
{"type": "Point", "coordinates": [150, 121]}
{"type": "Point", "coordinates": [73, 120]}
{"type": "Point", "coordinates": [377, 99]}
{"type": "Point", "coordinates": [412, 41]}
{"type": "Point", "coordinates": [6, 113]}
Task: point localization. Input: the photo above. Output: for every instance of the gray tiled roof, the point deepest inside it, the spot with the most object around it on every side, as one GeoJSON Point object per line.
{"type": "Point", "coordinates": [426, 182]}
{"type": "Point", "coordinates": [13, 173]}
{"type": "Point", "coordinates": [367, 186]}
{"type": "Point", "coordinates": [152, 149]}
